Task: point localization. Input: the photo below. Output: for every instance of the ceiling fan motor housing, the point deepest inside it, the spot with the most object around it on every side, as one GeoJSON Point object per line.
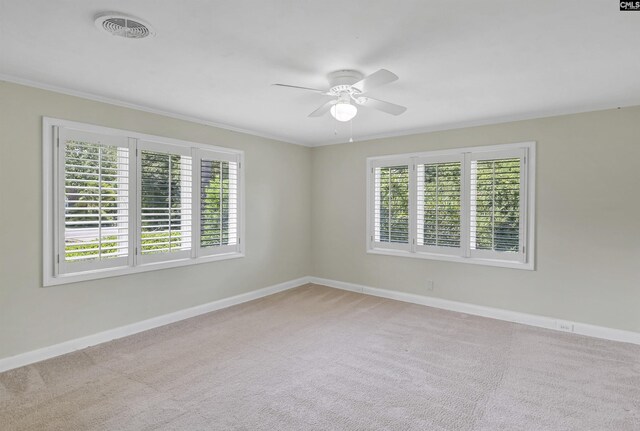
{"type": "Point", "coordinates": [342, 80]}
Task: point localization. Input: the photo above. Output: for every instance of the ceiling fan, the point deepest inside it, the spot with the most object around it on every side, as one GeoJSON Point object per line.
{"type": "Point", "coordinates": [348, 88]}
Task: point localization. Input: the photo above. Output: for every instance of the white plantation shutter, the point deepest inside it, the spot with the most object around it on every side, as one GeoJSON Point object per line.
{"type": "Point", "coordinates": [219, 205]}
{"type": "Point", "coordinates": [119, 202]}
{"type": "Point", "coordinates": [165, 202]}
{"type": "Point", "coordinates": [439, 188]}
{"type": "Point", "coordinates": [496, 207]}
{"type": "Point", "coordinates": [391, 206]}
{"type": "Point", "coordinates": [468, 205]}
{"type": "Point", "coordinates": [93, 201]}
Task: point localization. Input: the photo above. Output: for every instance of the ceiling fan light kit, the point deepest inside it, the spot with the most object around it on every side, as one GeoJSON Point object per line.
{"type": "Point", "coordinates": [343, 110]}
{"type": "Point", "coordinates": [347, 87]}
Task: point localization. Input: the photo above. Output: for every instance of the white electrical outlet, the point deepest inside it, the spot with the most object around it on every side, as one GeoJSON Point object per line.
{"type": "Point", "coordinates": [564, 325]}
{"type": "Point", "coordinates": [430, 285]}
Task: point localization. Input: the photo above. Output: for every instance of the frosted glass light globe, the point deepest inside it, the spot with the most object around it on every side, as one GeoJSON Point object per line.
{"type": "Point", "coordinates": [343, 111]}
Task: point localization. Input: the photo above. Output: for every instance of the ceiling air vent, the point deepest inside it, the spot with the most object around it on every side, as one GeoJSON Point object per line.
{"type": "Point", "coordinates": [124, 26]}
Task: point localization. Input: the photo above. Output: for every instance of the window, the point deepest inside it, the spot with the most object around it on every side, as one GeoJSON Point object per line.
{"type": "Point", "coordinates": [470, 205]}
{"type": "Point", "coordinates": [93, 207]}
{"type": "Point", "coordinates": [392, 205]}
{"type": "Point", "coordinates": [165, 202]}
{"type": "Point", "coordinates": [438, 205]}
{"type": "Point", "coordinates": [218, 204]}
{"type": "Point", "coordinates": [118, 202]}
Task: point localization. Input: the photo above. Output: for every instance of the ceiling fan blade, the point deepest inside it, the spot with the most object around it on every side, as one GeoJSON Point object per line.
{"type": "Point", "coordinates": [323, 109]}
{"type": "Point", "coordinates": [376, 79]}
{"type": "Point", "coordinates": [381, 105]}
{"type": "Point", "coordinates": [301, 88]}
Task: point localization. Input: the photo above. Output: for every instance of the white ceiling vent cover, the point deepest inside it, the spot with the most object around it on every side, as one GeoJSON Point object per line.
{"type": "Point", "coordinates": [124, 26]}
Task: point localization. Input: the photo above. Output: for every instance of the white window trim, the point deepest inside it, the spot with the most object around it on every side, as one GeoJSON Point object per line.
{"type": "Point", "coordinates": [49, 198]}
{"type": "Point", "coordinates": [527, 206]}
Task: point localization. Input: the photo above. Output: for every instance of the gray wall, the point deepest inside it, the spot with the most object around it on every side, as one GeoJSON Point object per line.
{"type": "Point", "coordinates": [277, 230]}
{"type": "Point", "coordinates": [306, 216]}
{"type": "Point", "coordinates": [587, 230]}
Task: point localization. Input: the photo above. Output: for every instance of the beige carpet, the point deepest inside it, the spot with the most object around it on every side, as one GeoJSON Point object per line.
{"type": "Point", "coordinates": [316, 358]}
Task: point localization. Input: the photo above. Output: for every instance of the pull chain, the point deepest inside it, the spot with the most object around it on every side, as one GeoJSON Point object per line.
{"type": "Point", "coordinates": [351, 131]}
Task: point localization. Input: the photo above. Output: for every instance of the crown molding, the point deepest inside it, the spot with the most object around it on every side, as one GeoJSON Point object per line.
{"type": "Point", "coordinates": [97, 98]}
{"type": "Point", "coordinates": [488, 122]}
{"type": "Point", "coordinates": [367, 137]}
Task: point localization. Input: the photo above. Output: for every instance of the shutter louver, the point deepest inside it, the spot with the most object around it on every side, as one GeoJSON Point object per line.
{"type": "Point", "coordinates": [165, 203]}
{"type": "Point", "coordinates": [96, 209]}
{"type": "Point", "coordinates": [391, 195]}
{"type": "Point", "coordinates": [495, 205]}
{"type": "Point", "coordinates": [218, 203]}
{"type": "Point", "coordinates": [438, 204]}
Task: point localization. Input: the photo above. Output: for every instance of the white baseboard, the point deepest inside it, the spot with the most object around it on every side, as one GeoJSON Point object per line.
{"type": "Point", "coordinates": [493, 313]}
{"type": "Point", "coordinates": [461, 307]}
{"type": "Point", "coordinates": [123, 331]}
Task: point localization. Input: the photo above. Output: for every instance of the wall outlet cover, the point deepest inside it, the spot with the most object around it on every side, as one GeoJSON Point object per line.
{"type": "Point", "coordinates": [565, 326]}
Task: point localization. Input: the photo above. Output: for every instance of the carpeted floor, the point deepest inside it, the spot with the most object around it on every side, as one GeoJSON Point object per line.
{"type": "Point", "coordinates": [315, 358]}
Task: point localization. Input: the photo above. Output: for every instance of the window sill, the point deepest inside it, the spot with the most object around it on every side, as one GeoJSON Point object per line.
{"type": "Point", "coordinates": [448, 258]}
{"type": "Point", "coordinates": [125, 270]}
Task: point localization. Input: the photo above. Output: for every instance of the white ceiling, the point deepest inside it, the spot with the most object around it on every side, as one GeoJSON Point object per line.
{"type": "Point", "coordinates": [459, 62]}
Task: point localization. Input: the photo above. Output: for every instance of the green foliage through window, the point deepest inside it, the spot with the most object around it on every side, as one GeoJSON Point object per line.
{"type": "Point", "coordinates": [165, 202]}
{"type": "Point", "coordinates": [439, 204]}
{"type": "Point", "coordinates": [95, 194]}
{"type": "Point", "coordinates": [392, 204]}
{"type": "Point", "coordinates": [495, 205]}
{"type": "Point", "coordinates": [218, 203]}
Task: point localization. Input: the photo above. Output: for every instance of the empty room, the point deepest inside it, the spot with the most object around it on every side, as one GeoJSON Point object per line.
{"type": "Point", "coordinates": [319, 215]}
